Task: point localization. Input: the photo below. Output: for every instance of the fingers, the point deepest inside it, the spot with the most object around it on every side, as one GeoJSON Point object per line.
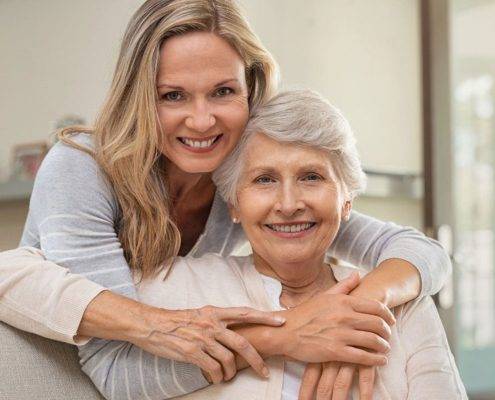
{"type": "Point", "coordinates": [225, 358]}
{"type": "Point", "coordinates": [373, 307]}
{"type": "Point", "coordinates": [245, 349]}
{"type": "Point", "coordinates": [347, 285]}
{"type": "Point", "coordinates": [325, 385]}
{"type": "Point", "coordinates": [246, 315]}
{"type": "Point", "coordinates": [343, 382]}
{"type": "Point", "coordinates": [309, 381]}
{"type": "Point", "coordinates": [367, 340]}
{"type": "Point", "coordinates": [358, 356]}
{"type": "Point", "coordinates": [366, 382]}
{"type": "Point", "coordinates": [372, 323]}
{"type": "Point", "coordinates": [211, 367]}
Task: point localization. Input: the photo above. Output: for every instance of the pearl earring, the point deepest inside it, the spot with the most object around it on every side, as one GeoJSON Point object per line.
{"type": "Point", "coordinates": [235, 220]}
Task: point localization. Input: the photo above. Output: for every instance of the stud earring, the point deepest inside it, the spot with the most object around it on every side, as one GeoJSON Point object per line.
{"type": "Point", "coordinates": [235, 220]}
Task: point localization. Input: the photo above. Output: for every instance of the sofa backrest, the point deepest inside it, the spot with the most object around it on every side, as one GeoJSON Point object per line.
{"type": "Point", "coordinates": [34, 368]}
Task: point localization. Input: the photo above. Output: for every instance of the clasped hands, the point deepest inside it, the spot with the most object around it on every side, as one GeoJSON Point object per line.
{"type": "Point", "coordinates": [333, 332]}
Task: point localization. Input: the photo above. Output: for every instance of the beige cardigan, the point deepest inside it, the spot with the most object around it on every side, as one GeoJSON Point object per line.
{"type": "Point", "coordinates": [420, 366]}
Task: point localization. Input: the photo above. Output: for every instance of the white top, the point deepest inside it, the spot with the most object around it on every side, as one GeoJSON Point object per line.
{"type": "Point", "coordinates": [293, 370]}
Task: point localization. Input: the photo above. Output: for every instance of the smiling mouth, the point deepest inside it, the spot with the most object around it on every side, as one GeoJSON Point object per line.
{"type": "Point", "coordinates": [291, 228]}
{"type": "Point", "coordinates": [200, 144]}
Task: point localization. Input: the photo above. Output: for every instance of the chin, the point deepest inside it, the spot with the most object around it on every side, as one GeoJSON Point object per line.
{"type": "Point", "coordinates": [199, 167]}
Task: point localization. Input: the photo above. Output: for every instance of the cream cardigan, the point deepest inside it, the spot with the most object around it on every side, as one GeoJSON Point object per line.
{"type": "Point", "coordinates": [420, 365]}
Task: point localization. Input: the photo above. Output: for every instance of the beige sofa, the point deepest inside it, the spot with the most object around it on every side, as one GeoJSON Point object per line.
{"type": "Point", "coordinates": [34, 368]}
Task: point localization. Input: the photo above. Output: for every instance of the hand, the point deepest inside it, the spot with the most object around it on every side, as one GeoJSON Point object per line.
{"type": "Point", "coordinates": [333, 381]}
{"type": "Point", "coordinates": [201, 337]}
{"type": "Point", "coordinates": [333, 326]}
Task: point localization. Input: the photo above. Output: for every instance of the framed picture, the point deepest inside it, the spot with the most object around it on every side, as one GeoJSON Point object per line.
{"type": "Point", "coordinates": [26, 159]}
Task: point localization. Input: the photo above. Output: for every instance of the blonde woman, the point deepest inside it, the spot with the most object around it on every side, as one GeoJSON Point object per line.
{"type": "Point", "coordinates": [136, 190]}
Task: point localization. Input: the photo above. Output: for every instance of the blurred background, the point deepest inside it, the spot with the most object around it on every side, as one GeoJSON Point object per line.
{"type": "Point", "coordinates": [416, 79]}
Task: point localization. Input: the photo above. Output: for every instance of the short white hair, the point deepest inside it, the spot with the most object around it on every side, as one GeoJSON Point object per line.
{"type": "Point", "coordinates": [301, 117]}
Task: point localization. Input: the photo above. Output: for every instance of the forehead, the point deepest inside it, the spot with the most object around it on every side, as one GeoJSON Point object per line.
{"type": "Point", "coordinates": [263, 152]}
{"type": "Point", "coordinates": [198, 56]}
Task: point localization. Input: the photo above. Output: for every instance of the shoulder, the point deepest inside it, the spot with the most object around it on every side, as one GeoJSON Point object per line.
{"type": "Point", "coordinates": [68, 170]}
{"type": "Point", "coordinates": [63, 155]}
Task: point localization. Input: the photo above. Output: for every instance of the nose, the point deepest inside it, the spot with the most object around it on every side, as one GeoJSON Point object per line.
{"type": "Point", "coordinates": [200, 118]}
{"type": "Point", "coordinates": [290, 200]}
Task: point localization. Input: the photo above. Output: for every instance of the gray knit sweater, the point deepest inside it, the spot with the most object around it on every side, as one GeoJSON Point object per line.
{"type": "Point", "coordinates": [73, 217]}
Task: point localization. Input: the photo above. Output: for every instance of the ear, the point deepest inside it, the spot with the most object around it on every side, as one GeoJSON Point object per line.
{"type": "Point", "coordinates": [346, 210]}
{"type": "Point", "coordinates": [234, 215]}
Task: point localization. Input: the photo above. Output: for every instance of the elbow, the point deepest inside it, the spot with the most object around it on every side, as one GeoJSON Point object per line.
{"type": "Point", "coordinates": [444, 264]}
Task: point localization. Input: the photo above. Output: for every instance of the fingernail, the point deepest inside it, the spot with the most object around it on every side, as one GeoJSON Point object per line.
{"type": "Point", "coordinates": [265, 372]}
{"type": "Point", "coordinates": [384, 361]}
{"type": "Point", "coordinates": [280, 319]}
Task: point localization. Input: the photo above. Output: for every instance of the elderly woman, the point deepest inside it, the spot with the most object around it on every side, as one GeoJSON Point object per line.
{"type": "Point", "coordinates": [289, 183]}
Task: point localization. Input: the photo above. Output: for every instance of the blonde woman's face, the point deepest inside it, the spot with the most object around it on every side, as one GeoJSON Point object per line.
{"type": "Point", "coordinates": [203, 100]}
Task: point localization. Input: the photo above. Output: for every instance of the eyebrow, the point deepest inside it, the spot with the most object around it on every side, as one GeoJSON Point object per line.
{"type": "Point", "coordinates": [181, 88]}
{"type": "Point", "coordinates": [267, 169]}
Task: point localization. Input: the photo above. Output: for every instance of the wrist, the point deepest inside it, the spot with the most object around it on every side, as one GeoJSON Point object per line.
{"type": "Point", "coordinates": [283, 338]}
{"type": "Point", "coordinates": [380, 294]}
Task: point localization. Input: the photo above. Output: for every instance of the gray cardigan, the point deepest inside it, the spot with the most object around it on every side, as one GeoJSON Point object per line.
{"type": "Point", "coordinates": [73, 216]}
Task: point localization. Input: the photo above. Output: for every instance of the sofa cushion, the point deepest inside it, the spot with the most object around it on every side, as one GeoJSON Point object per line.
{"type": "Point", "coordinates": [32, 367]}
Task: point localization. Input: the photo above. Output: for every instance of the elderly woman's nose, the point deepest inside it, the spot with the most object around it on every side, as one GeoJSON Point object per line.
{"type": "Point", "coordinates": [200, 118]}
{"type": "Point", "coordinates": [290, 200]}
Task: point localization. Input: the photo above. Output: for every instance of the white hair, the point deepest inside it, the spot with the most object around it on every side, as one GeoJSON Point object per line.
{"type": "Point", "coordinates": [301, 117]}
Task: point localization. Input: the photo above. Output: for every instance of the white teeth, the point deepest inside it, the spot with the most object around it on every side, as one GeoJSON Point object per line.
{"type": "Point", "coordinates": [290, 228]}
{"type": "Point", "coordinates": [198, 144]}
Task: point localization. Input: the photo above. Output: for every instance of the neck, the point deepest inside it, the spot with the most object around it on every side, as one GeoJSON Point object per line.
{"type": "Point", "coordinates": [300, 281]}
{"type": "Point", "coordinates": [182, 184]}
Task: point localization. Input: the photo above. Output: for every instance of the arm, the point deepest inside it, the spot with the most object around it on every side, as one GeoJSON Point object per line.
{"type": "Point", "coordinates": [26, 278]}
{"type": "Point", "coordinates": [366, 242]}
{"type": "Point", "coordinates": [430, 368]}
{"type": "Point", "coordinates": [74, 213]}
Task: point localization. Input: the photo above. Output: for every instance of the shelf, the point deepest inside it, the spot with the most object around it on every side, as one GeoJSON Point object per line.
{"type": "Point", "coordinates": [385, 184]}
{"type": "Point", "coordinates": [15, 190]}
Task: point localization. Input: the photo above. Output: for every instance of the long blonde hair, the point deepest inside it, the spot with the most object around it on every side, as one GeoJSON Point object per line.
{"type": "Point", "coordinates": [125, 132]}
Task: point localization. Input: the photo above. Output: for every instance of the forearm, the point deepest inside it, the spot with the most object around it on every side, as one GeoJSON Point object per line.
{"type": "Point", "coordinates": [393, 282]}
{"type": "Point", "coordinates": [267, 340]}
{"type": "Point", "coordinates": [115, 317]}
{"type": "Point", "coordinates": [367, 242]}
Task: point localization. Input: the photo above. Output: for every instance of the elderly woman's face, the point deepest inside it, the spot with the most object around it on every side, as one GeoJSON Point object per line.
{"type": "Point", "coordinates": [289, 202]}
{"type": "Point", "coordinates": [203, 105]}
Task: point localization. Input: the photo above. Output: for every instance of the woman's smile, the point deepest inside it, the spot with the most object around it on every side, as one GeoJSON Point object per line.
{"type": "Point", "coordinates": [200, 145]}
{"type": "Point", "coordinates": [292, 230]}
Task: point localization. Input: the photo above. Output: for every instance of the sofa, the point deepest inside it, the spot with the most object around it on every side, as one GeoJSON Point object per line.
{"type": "Point", "coordinates": [34, 368]}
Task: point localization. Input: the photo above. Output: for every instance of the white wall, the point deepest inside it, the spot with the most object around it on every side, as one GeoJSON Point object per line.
{"type": "Point", "coordinates": [57, 58]}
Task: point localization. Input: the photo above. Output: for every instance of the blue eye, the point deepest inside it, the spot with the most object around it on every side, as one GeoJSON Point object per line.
{"type": "Point", "coordinates": [173, 96]}
{"type": "Point", "coordinates": [223, 91]}
{"type": "Point", "coordinates": [263, 180]}
{"type": "Point", "coordinates": [312, 177]}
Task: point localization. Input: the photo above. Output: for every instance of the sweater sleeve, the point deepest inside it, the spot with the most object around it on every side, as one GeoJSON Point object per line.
{"type": "Point", "coordinates": [74, 211]}
{"type": "Point", "coordinates": [366, 242]}
{"type": "Point", "coordinates": [430, 366]}
{"type": "Point", "coordinates": [25, 279]}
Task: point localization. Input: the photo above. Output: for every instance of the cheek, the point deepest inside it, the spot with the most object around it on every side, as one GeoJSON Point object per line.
{"type": "Point", "coordinates": [253, 207]}
{"type": "Point", "coordinates": [168, 120]}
